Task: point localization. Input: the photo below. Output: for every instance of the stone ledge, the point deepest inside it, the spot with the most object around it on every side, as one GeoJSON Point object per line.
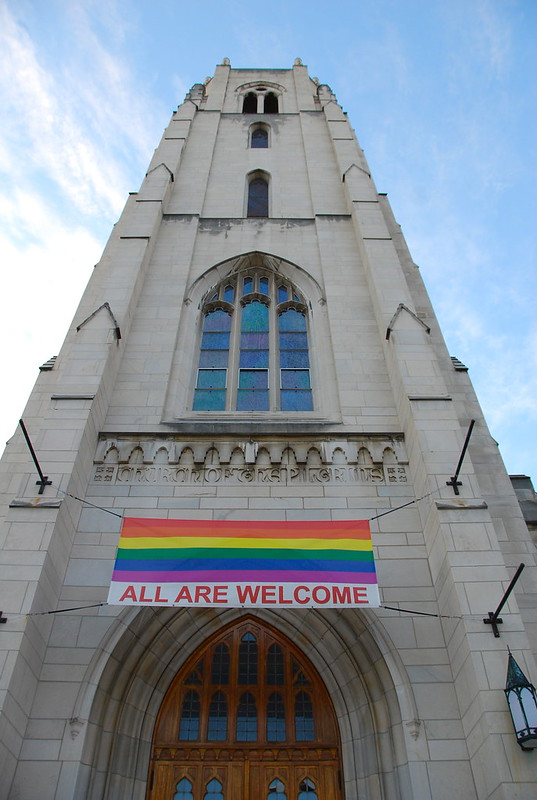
{"type": "Point", "coordinates": [36, 502]}
{"type": "Point", "coordinates": [462, 504]}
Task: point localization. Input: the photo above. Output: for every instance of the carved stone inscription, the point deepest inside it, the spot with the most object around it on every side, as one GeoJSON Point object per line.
{"type": "Point", "coordinates": [237, 475]}
{"type": "Point", "coordinates": [172, 461]}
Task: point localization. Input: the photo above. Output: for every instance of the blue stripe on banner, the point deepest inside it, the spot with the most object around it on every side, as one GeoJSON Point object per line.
{"type": "Point", "coordinates": [248, 565]}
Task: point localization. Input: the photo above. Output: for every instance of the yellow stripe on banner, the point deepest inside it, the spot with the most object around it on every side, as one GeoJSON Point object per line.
{"type": "Point", "coordinates": [170, 542]}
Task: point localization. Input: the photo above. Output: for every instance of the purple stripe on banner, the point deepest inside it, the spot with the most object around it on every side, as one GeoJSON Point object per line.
{"type": "Point", "coordinates": [238, 576]}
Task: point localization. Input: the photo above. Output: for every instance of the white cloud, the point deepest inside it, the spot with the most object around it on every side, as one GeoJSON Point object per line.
{"type": "Point", "coordinates": [42, 283]}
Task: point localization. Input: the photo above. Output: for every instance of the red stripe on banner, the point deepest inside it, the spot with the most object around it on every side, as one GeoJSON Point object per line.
{"type": "Point", "coordinates": [134, 527]}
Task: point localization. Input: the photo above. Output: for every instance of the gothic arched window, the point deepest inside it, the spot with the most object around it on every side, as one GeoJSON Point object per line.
{"type": "Point", "coordinates": [258, 198]}
{"type": "Point", "coordinates": [254, 349]}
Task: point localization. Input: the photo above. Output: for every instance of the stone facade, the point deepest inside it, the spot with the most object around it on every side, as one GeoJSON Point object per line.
{"type": "Point", "coordinates": [418, 695]}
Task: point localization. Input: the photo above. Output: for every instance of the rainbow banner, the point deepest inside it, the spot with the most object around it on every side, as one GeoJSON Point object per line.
{"type": "Point", "coordinates": [212, 563]}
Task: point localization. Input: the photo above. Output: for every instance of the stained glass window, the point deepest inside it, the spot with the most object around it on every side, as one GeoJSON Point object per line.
{"type": "Point", "coordinates": [254, 313]}
{"type": "Point", "coordinates": [253, 391]}
{"type": "Point", "coordinates": [210, 394]}
{"type": "Point", "coordinates": [295, 386]}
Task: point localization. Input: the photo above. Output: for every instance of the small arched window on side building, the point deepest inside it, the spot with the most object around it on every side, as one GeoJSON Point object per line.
{"type": "Point", "coordinates": [271, 103]}
{"type": "Point", "coordinates": [259, 136]}
{"type": "Point", "coordinates": [258, 196]}
{"type": "Point", "coordinates": [249, 105]}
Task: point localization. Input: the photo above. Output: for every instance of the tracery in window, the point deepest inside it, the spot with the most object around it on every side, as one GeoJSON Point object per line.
{"type": "Point", "coordinates": [264, 320]}
{"type": "Point", "coordinates": [258, 198]}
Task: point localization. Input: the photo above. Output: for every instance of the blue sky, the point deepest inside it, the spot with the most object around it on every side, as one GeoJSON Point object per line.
{"type": "Point", "coordinates": [442, 96]}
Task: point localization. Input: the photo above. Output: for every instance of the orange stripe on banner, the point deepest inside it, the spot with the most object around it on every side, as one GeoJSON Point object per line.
{"type": "Point", "coordinates": [139, 527]}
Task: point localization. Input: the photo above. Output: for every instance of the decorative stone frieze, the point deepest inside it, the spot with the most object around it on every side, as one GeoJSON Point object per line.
{"type": "Point", "coordinates": [170, 460]}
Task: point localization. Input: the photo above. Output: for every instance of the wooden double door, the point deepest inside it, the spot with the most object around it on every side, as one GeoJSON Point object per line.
{"type": "Point", "coordinates": [247, 718]}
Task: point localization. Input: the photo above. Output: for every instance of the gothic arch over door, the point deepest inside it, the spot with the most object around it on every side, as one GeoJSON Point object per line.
{"type": "Point", "coordinates": [246, 718]}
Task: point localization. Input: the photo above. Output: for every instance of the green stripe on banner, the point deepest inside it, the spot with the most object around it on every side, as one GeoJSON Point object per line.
{"type": "Point", "coordinates": [234, 552]}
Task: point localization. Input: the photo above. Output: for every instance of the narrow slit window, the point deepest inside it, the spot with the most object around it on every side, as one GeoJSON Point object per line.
{"type": "Point", "coordinates": [258, 198]}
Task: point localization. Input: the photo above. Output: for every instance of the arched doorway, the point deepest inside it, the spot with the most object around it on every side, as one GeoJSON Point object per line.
{"type": "Point", "coordinates": [246, 718]}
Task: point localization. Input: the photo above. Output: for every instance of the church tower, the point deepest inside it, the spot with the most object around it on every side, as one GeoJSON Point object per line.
{"type": "Point", "coordinates": [256, 348]}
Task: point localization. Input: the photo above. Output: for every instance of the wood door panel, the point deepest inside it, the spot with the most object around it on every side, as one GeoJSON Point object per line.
{"type": "Point", "coordinates": [324, 776]}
